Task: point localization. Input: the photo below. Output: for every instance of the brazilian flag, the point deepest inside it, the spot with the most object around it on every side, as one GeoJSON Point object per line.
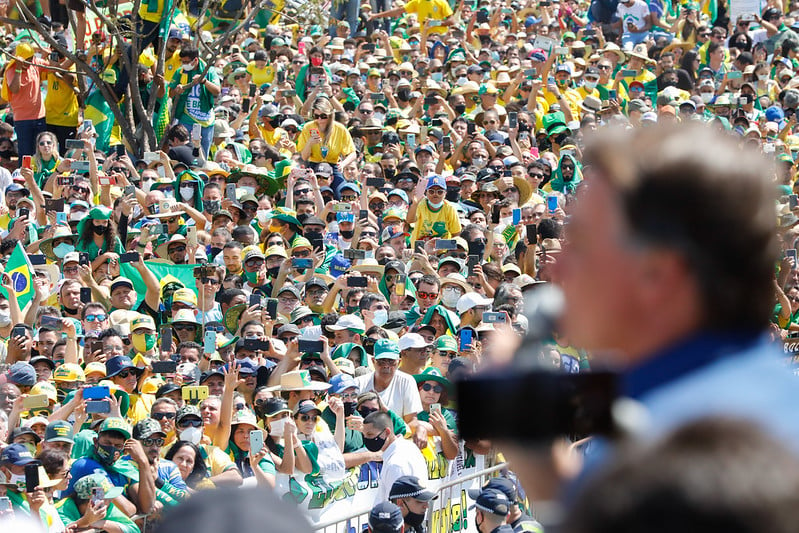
{"type": "Point", "coordinates": [21, 271]}
{"type": "Point", "coordinates": [99, 112]}
{"type": "Point", "coordinates": [184, 273]}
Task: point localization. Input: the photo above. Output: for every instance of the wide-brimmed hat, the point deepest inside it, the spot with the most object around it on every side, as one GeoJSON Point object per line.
{"type": "Point", "coordinates": [640, 52]}
{"type": "Point", "coordinates": [298, 380]}
{"type": "Point", "coordinates": [525, 189]}
{"type": "Point", "coordinates": [592, 104]}
{"type": "Point", "coordinates": [162, 250]}
{"type": "Point", "coordinates": [46, 246]}
{"type": "Point", "coordinates": [614, 49]}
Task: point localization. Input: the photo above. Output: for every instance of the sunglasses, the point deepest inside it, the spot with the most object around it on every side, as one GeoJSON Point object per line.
{"type": "Point", "coordinates": [321, 116]}
{"type": "Point", "coordinates": [95, 318]}
{"type": "Point", "coordinates": [45, 143]}
{"type": "Point", "coordinates": [240, 77]}
{"type": "Point", "coordinates": [193, 422]}
{"type": "Point", "coordinates": [308, 418]}
{"type": "Point", "coordinates": [209, 281]}
{"type": "Point", "coordinates": [161, 416]}
{"type": "Point", "coordinates": [149, 443]}
{"type": "Point", "coordinates": [184, 327]}
{"type": "Point", "coordinates": [302, 191]}
{"type": "Point", "coordinates": [127, 372]}
{"type": "Point", "coordinates": [427, 295]}
{"type": "Point", "coordinates": [171, 220]}
{"type": "Point", "coordinates": [427, 387]}
{"type": "Point", "coordinates": [177, 249]}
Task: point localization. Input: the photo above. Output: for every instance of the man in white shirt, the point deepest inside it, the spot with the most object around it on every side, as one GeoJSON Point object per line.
{"type": "Point", "coordinates": [397, 390]}
{"type": "Point", "coordinates": [633, 22]}
{"type": "Point", "coordinates": [400, 457]}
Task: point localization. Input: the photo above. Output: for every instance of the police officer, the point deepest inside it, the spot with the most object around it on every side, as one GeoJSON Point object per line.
{"type": "Point", "coordinates": [386, 517]}
{"type": "Point", "coordinates": [492, 507]}
{"type": "Point", "coordinates": [413, 499]}
{"type": "Point", "coordinates": [519, 521]}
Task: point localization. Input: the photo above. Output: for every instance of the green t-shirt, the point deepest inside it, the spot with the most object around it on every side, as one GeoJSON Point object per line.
{"type": "Point", "coordinates": [196, 104]}
{"type": "Point", "coordinates": [424, 416]}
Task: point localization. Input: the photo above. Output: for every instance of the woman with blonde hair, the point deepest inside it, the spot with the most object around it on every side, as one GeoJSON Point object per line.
{"type": "Point", "coordinates": [323, 140]}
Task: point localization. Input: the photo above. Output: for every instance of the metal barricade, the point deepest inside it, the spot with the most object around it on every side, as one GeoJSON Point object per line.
{"type": "Point", "coordinates": [356, 522]}
{"type": "Point", "coordinates": [445, 494]}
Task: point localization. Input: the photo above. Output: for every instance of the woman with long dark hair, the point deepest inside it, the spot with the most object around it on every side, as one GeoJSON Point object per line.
{"type": "Point", "coordinates": [189, 460]}
{"type": "Point", "coordinates": [97, 236]}
{"type": "Point", "coordinates": [690, 63]}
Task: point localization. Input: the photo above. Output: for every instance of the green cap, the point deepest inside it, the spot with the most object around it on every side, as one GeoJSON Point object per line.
{"type": "Point", "coordinates": [386, 349]}
{"type": "Point", "coordinates": [446, 343]}
{"type": "Point", "coordinates": [84, 487]}
{"type": "Point", "coordinates": [117, 424]}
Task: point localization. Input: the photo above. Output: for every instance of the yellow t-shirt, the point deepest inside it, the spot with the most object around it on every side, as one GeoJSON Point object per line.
{"type": "Point", "coordinates": [140, 405]}
{"type": "Point", "coordinates": [171, 66]}
{"type": "Point", "coordinates": [338, 143]}
{"type": "Point", "coordinates": [61, 103]}
{"type": "Point", "coordinates": [271, 137]}
{"type": "Point", "coordinates": [442, 224]}
{"type": "Point", "coordinates": [571, 96]}
{"type": "Point", "coordinates": [261, 75]}
{"type": "Point", "coordinates": [430, 10]}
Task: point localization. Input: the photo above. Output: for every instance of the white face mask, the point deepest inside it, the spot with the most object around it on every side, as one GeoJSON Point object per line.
{"type": "Point", "coordinates": [193, 435]}
{"type": "Point", "coordinates": [450, 296]}
{"type": "Point", "coordinates": [506, 221]}
{"type": "Point", "coordinates": [379, 116]}
{"type": "Point", "coordinates": [18, 480]}
{"type": "Point", "coordinates": [706, 97]}
{"type": "Point", "coordinates": [380, 319]}
{"type": "Point", "coordinates": [187, 193]}
{"type": "Point", "coordinates": [762, 77]}
{"type": "Point", "coordinates": [590, 85]}
{"type": "Point", "coordinates": [5, 319]}
{"type": "Point", "coordinates": [435, 206]}
{"type": "Point", "coordinates": [188, 68]}
{"type": "Point", "coordinates": [479, 162]}
{"type": "Point", "coordinates": [276, 427]}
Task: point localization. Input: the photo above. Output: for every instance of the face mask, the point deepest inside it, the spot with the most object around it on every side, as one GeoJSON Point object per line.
{"type": "Point", "coordinates": [389, 173]}
{"type": "Point", "coordinates": [404, 94]}
{"type": "Point", "coordinates": [187, 193]}
{"type": "Point", "coordinates": [5, 319]}
{"type": "Point", "coordinates": [590, 85]}
{"type": "Point", "coordinates": [436, 205]}
{"type": "Point", "coordinates": [375, 444]}
{"type": "Point", "coordinates": [277, 427]}
{"type": "Point", "coordinates": [188, 67]}
{"type": "Point", "coordinates": [316, 61]}
{"type": "Point", "coordinates": [563, 82]}
{"type": "Point", "coordinates": [63, 249]}
{"type": "Point", "coordinates": [459, 109]}
{"type": "Point", "coordinates": [381, 317]}
{"type": "Point", "coordinates": [437, 76]}
{"type": "Point", "coordinates": [212, 206]}
{"type": "Point", "coordinates": [450, 297]}
{"type": "Point", "coordinates": [414, 520]}
{"type": "Point", "coordinates": [352, 309]}
{"type": "Point", "coordinates": [143, 342]}
{"type": "Point", "coordinates": [107, 454]}
{"type": "Point", "coordinates": [461, 81]}
{"type": "Point", "coordinates": [452, 193]}
{"type": "Point", "coordinates": [136, 212]}
{"type": "Point", "coordinates": [506, 221]}
{"type": "Point", "coordinates": [98, 230]}
{"type": "Point", "coordinates": [479, 162]}
{"type": "Point", "coordinates": [252, 277]}
{"type": "Point", "coordinates": [273, 272]}
{"type": "Point", "coordinates": [379, 116]}
{"type": "Point", "coordinates": [193, 435]}
{"type": "Point", "coordinates": [347, 234]}
{"type": "Point", "coordinates": [274, 228]}
{"type": "Point", "coordinates": [18, 480]}
{"type": "Point", "coordinates": [760, 77]}
{"type": "Point", "coordinates": [213, 251]}
{"type": "Point", "coordinates": [349, 408]}
{"type": "Point", "coordinates": [706, 97]}
{"type": "Point", "coordinates": [7, 154]}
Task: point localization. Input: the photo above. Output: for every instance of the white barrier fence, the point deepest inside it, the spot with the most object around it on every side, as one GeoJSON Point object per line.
{"type": "Point", "coordinates": [449, 513]}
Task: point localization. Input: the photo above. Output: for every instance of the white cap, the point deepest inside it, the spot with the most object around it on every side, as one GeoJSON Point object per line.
{"type": "Point", "coordinates": [353, 322]}
{"type": "Point", "coordinates": [472, 299]}
{"type": "Point", "coordinates": [412, 340]}
{"type": "Point", "coordinates": [71, 257]}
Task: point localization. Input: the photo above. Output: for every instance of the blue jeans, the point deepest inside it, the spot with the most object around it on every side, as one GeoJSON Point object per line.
{"type": "Point", "coordinates": [378, 6]}
{"type": "Point", "coordinates": [26, 131]}
{"type": "Point", "coordinates": [206, 137]}
{"type": "Point", "coordinates": [347, 10]}
{"type": "Point", "coordinates": [629, 40]}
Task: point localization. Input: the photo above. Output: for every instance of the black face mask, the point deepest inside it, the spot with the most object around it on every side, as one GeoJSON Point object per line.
{"type": "Point", "coordinates": [7, 154]}
{"type": "Point", "coordinates": [375, 444]}
{"type": "Point", "coordinates": [212, 207]}
{"type": "Point", "coordinates": [383, 261]}
{"type": "Point", "coordinates": [453, 193]}
{"type": "Point", "coordinates": [349, 408]}
{"type": "Point", "coordinates": [98, 230]}
{"type": "Point", "coordinates": [404, 94]}
{"type": "Point", "coordinates": [70, 311]}
{"type": "Point", "coordinates": [389, 173]}
{"type": "Point", "coordinates": [214, 251]}
{"type": "Point", "coordinates": [273, 272]}
{"type": "Point", "coordinates": [274, 122]}
{"type": "Point", "coordinates": [459, 109]}
{"type": "Point", "coordinates": [414, 520]}
{"type": "Point", "coordinates": [346, 234]}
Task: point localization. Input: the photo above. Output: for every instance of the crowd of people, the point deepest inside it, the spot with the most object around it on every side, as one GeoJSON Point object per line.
{"type": "Point", "coordinates": [337, 224]}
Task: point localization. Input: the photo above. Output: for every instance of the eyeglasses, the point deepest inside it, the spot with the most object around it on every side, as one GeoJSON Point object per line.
{"type": "Point", "coordinates": [149, 443]}
{"type": "Point", "coordinates": [84, 190]}
{"type": "Point", "coordinates": [255, 262]}
{"type": "Point", "coordinates": [193, 422]}
{"type": "Point", "coordinates": [184, 327]}
{"type": "Point", "coordinates": [70, 270]}
{"type": "Point", "coordinates": [161, 416]}
{"type": "Point", "coordinates": [427, 295]}
{"type": "Point", "coordinates": [436, 191]}
{"type": "Point", "coordinates": [126, 373]}
{"type": "Point", "coordinates": [349, 198]}
{"type": "Point", "coordinates": [302, 191]}
{"type": "Point", "coordinates": [308, 418]}
{"type": "Point", "coordinates": [349, 395]}
{"type": "Point", "coordinates": [427, 387]}
{"type": "Point", "coordinates": [321, 116]}
{"type": "Point", "coordinates": [119, 169]}
{"type": "Point", "coordinates": [96, 318]}
{"type": "Point", "coordinates": [287, 300]}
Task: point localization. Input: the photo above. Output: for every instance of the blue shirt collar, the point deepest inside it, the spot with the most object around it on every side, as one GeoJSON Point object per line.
{"type": "Point", "coordinates": [684, 357]}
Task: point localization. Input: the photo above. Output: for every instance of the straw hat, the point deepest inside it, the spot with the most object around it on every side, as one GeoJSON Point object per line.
{"type": "Point", "coordinates": [298, 380]}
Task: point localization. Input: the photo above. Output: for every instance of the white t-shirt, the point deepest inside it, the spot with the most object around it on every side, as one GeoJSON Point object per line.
{"type": "Point", "coordinates": [401, 458]}
{"type": "Point", "coordinates": [401, 395]}
{"type": "Point", "coordinates": [637, 14]}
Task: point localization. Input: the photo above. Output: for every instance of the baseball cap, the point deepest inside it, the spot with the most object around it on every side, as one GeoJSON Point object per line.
{"type": "Point", "coordinates": [436, 181]}
{"type": "Point", "coordinates": [386, 349]}
{"type": "Point", "coordinates": [307, 406]}
{"type": "Point", "coordinates": [470, 300]}
{"type": "Point", "coordinates": [492, 501]}
{"type": "Point", "coordinates": [350, 322]}
{"type": "Point", "coordinates": [385, 517]}
{"type": "Point", "coordinates": [84, 487]}
{"type": "Point", "coordinates": [146, 428]}
{"type": "Point", "coordinates": [113, 423]}
{"type": "Point", "coordinates": [17, 455]}
{"type": "Point", "coordinates": [502, 484]}
{"type": "Point", "coordinates": [58, 431]}
{"type": "Point", "coordinates": [341, 382]}
{"type": "Point", "coordinates": [412, 340]}
{"type": "Point", "coordinates": [22, 373]}
{"type": "Point", "coordinates": [121, 281]}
